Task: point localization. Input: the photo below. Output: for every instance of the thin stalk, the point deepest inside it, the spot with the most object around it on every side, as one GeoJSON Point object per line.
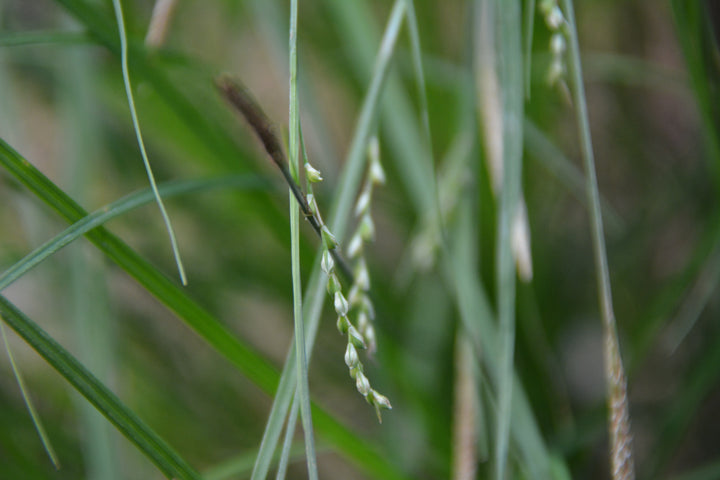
{"type": "Point", "coordinates": [240, 98]}
{"type": "Point", "coordinates": [622, 465]}
{"type": "Point", "coordinates": [136, 125]}
{"type": "Point", "coordinates": [287, 443]}
{"type": "Point", "coordinates": [303, 390]}
{"type": "Point", "coordinates": [28, 402]}
{"type": "Point", "coordinates": [510, 76]}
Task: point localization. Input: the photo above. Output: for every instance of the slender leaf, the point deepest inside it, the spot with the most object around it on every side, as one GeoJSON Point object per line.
{"type": "Point", "coordinates": [146, 440]}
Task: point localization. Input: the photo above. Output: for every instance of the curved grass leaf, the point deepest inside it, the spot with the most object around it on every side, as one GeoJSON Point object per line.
{"type": "Point", "coordinates": [115, 209]}
{"type": "Point", "coordinates": [28, 401]}
{"type": "Point", "coordinates": [149, 442]}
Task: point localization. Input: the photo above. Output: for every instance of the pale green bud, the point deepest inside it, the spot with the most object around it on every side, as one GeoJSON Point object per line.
{"type": "Point", "coordinates": [369, 334]}
{"type": "Point", "coordinates": [333, 285]}
{"type": "Point", "coordinates": [355, 245]}
{"type": "Point", "coordinates": [378, 401]}
{"type": "Point", "coordinates": [328, 238]}
{"type": "Point", "coordinates": [557, 44]}
{"type": "Point", "coordinates": [554, 18]}
{"type": "Point", "coordinates": [341, 305]}
{"type": "Point", "coordinates": [355, 296]}
{"type": "Point", "coordinates": [556, 71]}
{"type": "Point", "coordinates": [312, 173]}
{"type": "Point", "coordinates": [355, 338]}
{"type": "Point", "coordinates": [362, 383]}
{"type": "Point", "coordinates": [351, 356]}
{"type": "Point", "coordinates": [363, 201]}
{"type": "Point", "coordinates": [367, 227]}
{"type": "Point", "coordinates": [343, 325]}
{"type": "Point", "coordinates": [327, 263]}
{"type": "Point", "coordinates": [362, 277]}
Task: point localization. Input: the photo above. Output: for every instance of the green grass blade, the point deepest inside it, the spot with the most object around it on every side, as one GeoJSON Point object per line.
{"type": "Point", "coordinates": [510, 77]}
{"type": "Point", "coordinates": [622, 466]}
{"type": "Point", "coordinates": [241, 466]}
{"type": "Point", "coordinates": [147, 441]}
{"type": "Point", "coordinates": [287, 443]}
{"type": "Point", "coordinates": [136, 126]}
{"type": "Point", "coordinates": [115, 209]}
{"type": "Point", "coordinates": [528, 33]}
{"type": "Point", "coordinates": [303, 390]}
{"type": "Point", "coordinates": [28, 402]}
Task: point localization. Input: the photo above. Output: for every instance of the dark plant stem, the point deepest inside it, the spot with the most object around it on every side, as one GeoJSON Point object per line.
{"type": "Point", "coordinates": [240, 98]}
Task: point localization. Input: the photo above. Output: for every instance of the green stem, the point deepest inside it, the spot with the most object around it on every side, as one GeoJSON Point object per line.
{"type": "Point", "coordinates": [622, 466]}
{"type": "Point", "coordinates": [303, 390]}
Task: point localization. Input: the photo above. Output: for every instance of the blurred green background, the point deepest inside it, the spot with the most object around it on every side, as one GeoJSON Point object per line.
{"type": "Point", "coordinates": [651, 72]}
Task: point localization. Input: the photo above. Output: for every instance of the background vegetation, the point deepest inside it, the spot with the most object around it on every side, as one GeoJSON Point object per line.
{"type": "Point", "coordinates": [111, 302]}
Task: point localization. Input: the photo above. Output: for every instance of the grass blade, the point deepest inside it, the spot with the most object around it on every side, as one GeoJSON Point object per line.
{"type": "Point", "coordinates": [136, 126]}
{"type": "Point", "coordinates": [510, 76]}
{"type": "Point", "coordinates": [622, 465]}
{"type": "Point", "coordinates": [115, 209]}
{"type": "Point", "coordinates": [28, 402]}
{"type": "Point", "coordinates": [146, 440]}
{"type": "Point", "coordinates": [302, 394]}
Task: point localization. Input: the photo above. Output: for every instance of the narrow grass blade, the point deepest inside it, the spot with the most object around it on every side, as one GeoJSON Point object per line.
{"type": "Point", "coordinates": [528, 37]}
{"type": "Point", "coordinates": [28, 402]}
{"type": "Point", "coordinates": [241, 466]}
{"type": "Point", "coordinates": [136, 126]}
{"type": "Point", "coordinates": [287, 443]}
{"type": "Point", "coordinates": [621, 457]}
{"type": "Point", "coordinates": [303, 390]}
{"type": "Point", "coordinates": [147, 441]}
{"type": "Point", "coordinates": [115, 209]}
{"type": "Point", "coordinates": [510, 76]}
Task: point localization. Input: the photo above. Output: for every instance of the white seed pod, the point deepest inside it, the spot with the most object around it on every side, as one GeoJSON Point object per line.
{"type": "Point", "coordinates": [363, 201]}
{"type": "Point", "coordinates": [327, 263]}
{"type": "Point", "coordinates": [362, 277]}
{"type": "Point", "coordinates": [351, 356]}
{"type": "Point", "coordinates": [557, 44]}
{"type": "Point", "coordinates": [556, 71]}
{"type": "Point", "coordinates": [355, 245]}
{"type": "Point", "coordinates": [363, 321]}
{"type": "Point", "coordinates": [341, 305]}
{"type": "Point", "coordinates": [554, 18]}
{"type": "Point", "coordinates": [362, 383]}
{"type": "Point", "coordinates": [369, 335]}
{"type": "Point", "coordinates": [333, 285]}
{"type": "Point", "coordinates": [355, 338]}
{"type": "Point", "coordinates": [355, 296]}
{"type": "Point", "coordinates": [343, 325]}
{"type": "Point", "coordinates": [367, 306]}
{"type": "Point", "coordinates": [367, 227]}
{"type": "Point", "coordinates": [312, 173]}
{"type": "Point", "coordinates": [379, 399]}
{"type": "Point", "coordinates": [377, 174]}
